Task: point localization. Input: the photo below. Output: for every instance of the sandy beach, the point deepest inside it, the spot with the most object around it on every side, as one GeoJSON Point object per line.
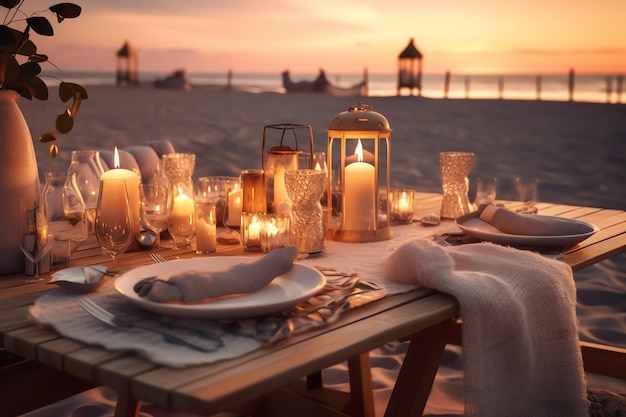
{"type": "Point", "coordinates": [576, 150]}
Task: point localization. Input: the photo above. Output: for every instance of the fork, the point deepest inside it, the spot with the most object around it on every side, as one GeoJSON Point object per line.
{"type": "Point", "coordinates": [440, 239]}
{"type": "Point", "coordinates": [120, 322]}
{"type": "Point", "coordinates": [157, 257]}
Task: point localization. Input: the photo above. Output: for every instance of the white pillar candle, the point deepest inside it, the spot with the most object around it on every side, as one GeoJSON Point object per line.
{"type": "Point", "coordinates": [132, 188]}
{"type": "Point", "coordinates": [254, 230]}
{"type": "Point", "coordinates": [182, 217]}
{"type": "Point", "coordinates": [360, 198]}
{"type": "Point", "coordinates": [280, 191]}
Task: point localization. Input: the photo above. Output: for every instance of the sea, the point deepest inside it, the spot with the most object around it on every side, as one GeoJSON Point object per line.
{"type": "Point", "coordinates": [599, 88]}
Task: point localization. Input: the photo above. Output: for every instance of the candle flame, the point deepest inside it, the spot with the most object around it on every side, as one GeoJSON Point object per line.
{"type": "Point", "coordinates": [318, 167]}
{"type": "Point", "coordinates": [404, 195]}
{"type": "Point", "coordinates": [359, 151]}
{"type": "Point", "coordinates": [116, 159]}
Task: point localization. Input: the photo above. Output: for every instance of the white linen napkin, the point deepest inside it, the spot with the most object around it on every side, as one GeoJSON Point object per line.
{"type": "Point", "coordinates": [531, 224]}
{"type": "Point", "coordinates": [196, 286]}
{"type": "Point", "coordinates": [520, 339]}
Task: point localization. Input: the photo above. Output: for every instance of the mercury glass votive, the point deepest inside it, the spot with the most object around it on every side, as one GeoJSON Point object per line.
{"type": "Point", "coordinates": [305, 187]}
{"type": "Point", "coordinates": [401, 207]}
{"type": "Point", "coordinates": [275, 231]}
{"type": "Point", "coordinates": [455, 166]}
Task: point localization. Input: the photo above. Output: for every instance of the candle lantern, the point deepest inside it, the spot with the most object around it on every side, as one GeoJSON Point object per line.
{"type": "Point", "coordinates": [280, 158]}
{"type": "Point", "coordinates": [359, 157]}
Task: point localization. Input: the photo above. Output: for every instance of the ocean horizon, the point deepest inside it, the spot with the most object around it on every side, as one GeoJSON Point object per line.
{"type": "Point", "coordinates": [598, 88]}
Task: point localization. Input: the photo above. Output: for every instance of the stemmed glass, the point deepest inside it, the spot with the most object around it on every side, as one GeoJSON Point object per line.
{"type": "Point", "coordinates": [35, 243]}
{"type": "Point", "coordinates": [114, 219]}
{"type": "Point", "coordinates": [154, 209]}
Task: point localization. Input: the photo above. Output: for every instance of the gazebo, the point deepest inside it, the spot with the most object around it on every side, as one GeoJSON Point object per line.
{"type": "Point", "coordinates": [127, 65]}
{"type": "Point", "coordinates": [410, 69]}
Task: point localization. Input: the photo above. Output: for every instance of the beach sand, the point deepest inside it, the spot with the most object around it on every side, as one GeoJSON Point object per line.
{"type": "Point", "coordinates": [576, 150]}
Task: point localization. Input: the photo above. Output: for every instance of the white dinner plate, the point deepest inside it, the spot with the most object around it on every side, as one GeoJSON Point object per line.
{"type": "Point", "coordinates": [473, 226]}
{"type": "Point", "coordinates": [284, 292]}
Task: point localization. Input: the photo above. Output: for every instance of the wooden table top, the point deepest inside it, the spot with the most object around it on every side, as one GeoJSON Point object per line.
{"type": "Point", "coordinates": [223, 385]}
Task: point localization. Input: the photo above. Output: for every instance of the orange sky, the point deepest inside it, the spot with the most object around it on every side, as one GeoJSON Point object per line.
{"type": "Point", "coordinates": [478, 36]}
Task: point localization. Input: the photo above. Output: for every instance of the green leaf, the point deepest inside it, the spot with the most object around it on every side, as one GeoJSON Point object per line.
{"type": "Point", "coordinates": [37, 87]}
{"type": "Point", "coordinates": [9, 68]}
{"type": "Point", "coordinates": [71, 90]}
{"type": "Point", "coordinates": [41, 25]}
{"type": "Point", "coordinates": [29, 69]}
{"type": "Point", "coordinates": [47, 137]}
{"type": "Point", "coordinates": [9, 4]}
{"type": "Point", "coordinates": [64, 122]}
{"type": "Point", "coordinates": [66, 10]}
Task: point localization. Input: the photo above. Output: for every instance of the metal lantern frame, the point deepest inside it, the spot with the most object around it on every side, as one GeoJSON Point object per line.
{"type": "Point", "coordinates": [271, 158]}
{"type": "Point", "coordinates": [359, 122]}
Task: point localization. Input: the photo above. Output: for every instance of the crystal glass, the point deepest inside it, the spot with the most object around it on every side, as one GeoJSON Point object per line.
{"type": "Point", "coordinates": [181, 224]}
{"type": "Point", "coordinates": [275, 231]}
{"type": "Point", "coordinates": [305, 187]}
{"type": "Point", "coordinates": [88, 168]}
{"type": "Point", "coordinates": [114, 219]}
{"type": "Point", "coordinates": [455, 166]}
{"type": "Point", "coordinates": [35, 243]}
{"type": "Point", "coordinates": [65, 213]}
{"type": "Point", "coordinates": [154, 209]}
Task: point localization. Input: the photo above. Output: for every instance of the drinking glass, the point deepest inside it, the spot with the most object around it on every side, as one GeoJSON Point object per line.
{"type": "Point", "coordinates": [154, 209]}
{"type": "Point", "coordinates": [35, 243]}
{"type": "Point", "coordinates": [114, 219]}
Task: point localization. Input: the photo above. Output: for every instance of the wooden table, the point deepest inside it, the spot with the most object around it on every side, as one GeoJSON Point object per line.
{"type": "Point", "coordinates": [271, 379]}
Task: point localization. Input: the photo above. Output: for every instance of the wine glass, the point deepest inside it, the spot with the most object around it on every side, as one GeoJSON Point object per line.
{"type": "Point", "coordinates": [114, 219]}
{"type": "Point", "coordinates": [154, 209]}
{"type": "Point", "coordinates": [35, 243]}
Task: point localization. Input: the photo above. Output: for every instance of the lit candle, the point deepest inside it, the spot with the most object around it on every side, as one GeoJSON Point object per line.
{"type": "Point", "coordinates": [403, 204]}
{"type": "Point", "coordinates": [182, 217]}
{"type": "Point", "coordinates": [206, 239]}
{"type": "Point", "coordinates": [359, 199]}
{"type": "Point", "coordinates": [132, 187]}
{"type": "Point", "coordinates": [254, 230]}
{"type": "Point", "coordinates": [234, 206]}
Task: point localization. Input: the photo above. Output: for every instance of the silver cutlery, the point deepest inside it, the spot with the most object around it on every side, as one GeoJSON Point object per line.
{"type": "Point", "coordinates": [157, 258]}
{"type": "Point", "coordinates": [199, 344]}
{"type": "Point", "coordinates": [440, 239]}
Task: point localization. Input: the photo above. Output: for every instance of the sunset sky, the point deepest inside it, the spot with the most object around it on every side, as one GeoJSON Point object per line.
{"type": "Point", "coordinates": [343, 36]}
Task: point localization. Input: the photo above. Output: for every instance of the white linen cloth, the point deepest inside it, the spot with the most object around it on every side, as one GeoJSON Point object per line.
{"type": "Point", "coordinates": [520, 338]}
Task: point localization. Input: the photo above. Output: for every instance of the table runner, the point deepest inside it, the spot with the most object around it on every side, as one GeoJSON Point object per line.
{"type": "Point", "coordinates": [61, 310]}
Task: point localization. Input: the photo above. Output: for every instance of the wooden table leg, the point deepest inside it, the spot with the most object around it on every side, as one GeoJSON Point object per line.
{"type": "Point", "coordinates": [127, 406]}
{"type": "Point", "coordinates": [361, 390]}
{"type": "Point", "coordinates": [418, 371]}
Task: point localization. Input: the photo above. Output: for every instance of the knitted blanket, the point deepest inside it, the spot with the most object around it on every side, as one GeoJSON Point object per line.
{"type": "Point", "coordinates": [520, 340]}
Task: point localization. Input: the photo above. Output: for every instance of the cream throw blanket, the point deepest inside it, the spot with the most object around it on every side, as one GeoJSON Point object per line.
{"type": "Point", "coordinates": [520, 338]}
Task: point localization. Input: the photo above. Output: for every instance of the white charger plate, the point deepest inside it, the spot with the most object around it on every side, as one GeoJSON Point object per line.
{"type": "Point", "coordinates": [473, 226]}
{"type": "Point", "coordinates": [284, 292]}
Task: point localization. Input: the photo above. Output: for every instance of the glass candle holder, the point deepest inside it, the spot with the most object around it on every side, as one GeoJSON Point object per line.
{"type": "Point", "coordinates": [275, 231]}
{"type": "Point", "coordinates": [401, 202]}
{"type": "Point", "coordinates": [455, 166]}
{"type": "Point", "coordinates": [485, 190]}
{"type": "Point", "coordinates": [206, 228]}
{"type": "Point", "coordinates": [234, 200]}
{"type": "Point", "coordinates": [251, 231]}
{"type": "Point", "coordinates": [253, 186]}
{"type": "Point", "coordinates": [178, 168]}
{"type": "Point", "coordinates": [305, 187]}
{"type": "Point", "coordinates": [215, 190]}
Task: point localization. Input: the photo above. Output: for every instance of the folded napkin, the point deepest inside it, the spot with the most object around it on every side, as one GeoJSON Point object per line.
{"type": "Point", "coordinates": [520, 339]}
{"type": "Point", "coordinates": [195, 286]}
{"type": "Point", "coordinates": [531, 224]}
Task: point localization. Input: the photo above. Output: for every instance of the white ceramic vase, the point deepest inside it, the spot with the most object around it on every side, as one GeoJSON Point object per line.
{"type": "Point", "coordinates": [19, 180]}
